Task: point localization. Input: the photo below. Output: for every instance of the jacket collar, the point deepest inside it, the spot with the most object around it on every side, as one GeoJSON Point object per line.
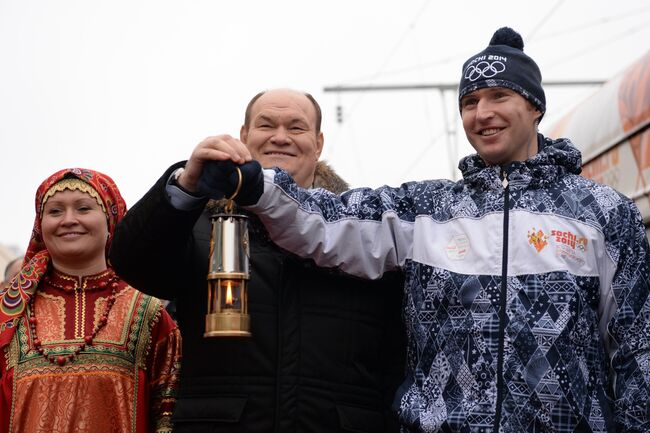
{"type": "Point", "coordinates": [325, 177]}
{"type": "Point", "coordinates": [554, 159]}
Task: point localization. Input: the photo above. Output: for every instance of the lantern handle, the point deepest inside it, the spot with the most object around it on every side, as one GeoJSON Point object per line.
{"type": "Point", "coordinates": [229, 206]}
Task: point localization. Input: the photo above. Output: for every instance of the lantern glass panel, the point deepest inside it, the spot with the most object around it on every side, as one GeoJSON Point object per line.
{"type": "Point", "coordinates": [231, 295]}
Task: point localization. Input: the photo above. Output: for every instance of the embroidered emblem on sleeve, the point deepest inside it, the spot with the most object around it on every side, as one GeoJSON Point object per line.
{"type": "Point", "coordinates": [458, 247]}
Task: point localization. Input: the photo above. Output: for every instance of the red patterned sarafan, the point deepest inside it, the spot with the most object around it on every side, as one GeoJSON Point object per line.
{"type": "Point", "coordinates": [538, 239]}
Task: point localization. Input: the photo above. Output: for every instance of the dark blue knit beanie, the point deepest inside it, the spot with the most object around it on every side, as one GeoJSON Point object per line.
{"type": "Point", "coordinates": [504, 64]}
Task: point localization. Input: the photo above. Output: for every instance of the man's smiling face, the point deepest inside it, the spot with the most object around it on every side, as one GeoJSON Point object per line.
{"type": "Point", "coordinates": [282, 133]}
{"type": "Point", "coordinates": [500, 125]}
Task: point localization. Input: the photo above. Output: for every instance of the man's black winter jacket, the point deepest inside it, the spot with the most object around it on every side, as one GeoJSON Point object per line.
{"type": "Point", "coordinates": [327, 351]}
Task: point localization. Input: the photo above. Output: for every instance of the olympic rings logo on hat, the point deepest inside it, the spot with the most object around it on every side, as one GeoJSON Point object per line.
{"type": "Point", "coordinates": [484, 70]}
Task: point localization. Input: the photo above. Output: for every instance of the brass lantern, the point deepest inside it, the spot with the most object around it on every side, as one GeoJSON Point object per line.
{"type": "Point", "coordinates": [228, 275]}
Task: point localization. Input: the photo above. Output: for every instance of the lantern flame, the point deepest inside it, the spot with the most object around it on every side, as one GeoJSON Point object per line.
{"type": "Point", "coordinates": [229, 294]}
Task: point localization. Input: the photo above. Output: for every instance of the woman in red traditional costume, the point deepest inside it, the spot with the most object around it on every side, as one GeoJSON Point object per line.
{"type": "Point", "coordinates": [80, 350]}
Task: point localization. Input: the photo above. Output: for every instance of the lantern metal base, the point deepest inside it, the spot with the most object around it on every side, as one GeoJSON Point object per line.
{"type": "Point", "coordinates": [227, 325]}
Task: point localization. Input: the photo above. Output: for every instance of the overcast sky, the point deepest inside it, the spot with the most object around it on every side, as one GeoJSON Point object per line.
{"type": "Point", "coordinates": [129, 87]}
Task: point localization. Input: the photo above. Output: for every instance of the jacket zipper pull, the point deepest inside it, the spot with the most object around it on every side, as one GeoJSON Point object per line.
{"type": "Point", "coordinates": [504, 182]}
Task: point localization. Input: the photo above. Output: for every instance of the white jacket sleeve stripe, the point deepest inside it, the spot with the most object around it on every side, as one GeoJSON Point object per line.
{"type": "Point", "coordinates": [370, 248]}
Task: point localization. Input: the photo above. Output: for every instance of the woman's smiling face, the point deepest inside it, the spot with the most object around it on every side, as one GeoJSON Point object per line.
{"type": "Point", "coordinates": [74, 228]}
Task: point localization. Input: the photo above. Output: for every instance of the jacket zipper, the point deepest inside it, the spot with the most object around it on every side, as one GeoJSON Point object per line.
{"type": "Point", "coordinates": [277, 422]}
{"type": "Point", "coordinates": [502, 303]}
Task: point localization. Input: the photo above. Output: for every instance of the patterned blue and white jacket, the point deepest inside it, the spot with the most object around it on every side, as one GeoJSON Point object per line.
{"type": "Point", "coordinates": [527, 296]}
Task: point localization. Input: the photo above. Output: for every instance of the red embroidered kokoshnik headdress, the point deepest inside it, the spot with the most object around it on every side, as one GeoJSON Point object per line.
{"type": "Point", "coordinates": [15, 297]}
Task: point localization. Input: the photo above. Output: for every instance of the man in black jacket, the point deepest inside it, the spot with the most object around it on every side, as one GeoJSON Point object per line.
{"type": "Point", "coordinates": [327, 351]}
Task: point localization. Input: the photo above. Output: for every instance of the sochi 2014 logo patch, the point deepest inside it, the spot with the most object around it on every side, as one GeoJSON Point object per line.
{"type": "Point", "coordinates": [570, 240]}
{"type": "Point", "coordinates": [570, 246]}
{"type": "Point", "coordinates": [538, 239]}
{"type": "Point", "coordinates": [567, 245]}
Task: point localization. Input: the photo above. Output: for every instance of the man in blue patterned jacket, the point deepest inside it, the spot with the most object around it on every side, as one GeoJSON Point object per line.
{"type": "Point", "coordinates": [527, 297]}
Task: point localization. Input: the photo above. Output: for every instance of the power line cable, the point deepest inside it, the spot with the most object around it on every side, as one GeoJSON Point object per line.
{"type": "Point", "coordinates": [417, 67]}
{"type": "Point", "coordinates": [401, 40]}
{"type": "Point", "coordinates": [357, 101]}
{"type": "Point", "coordinates": [598, 45]}
{"type": "Point", "coordinates": [420, 156]}
{"type": "Point", "coordinates": [538, 39]}
{"type": "Point", "coordinates": [599, 22]}
{"type": "Point", "coordinates": [543, 20]}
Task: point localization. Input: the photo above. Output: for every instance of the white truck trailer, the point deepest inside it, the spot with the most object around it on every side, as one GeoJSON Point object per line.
{"type": "Point", "coordinates": [612, 129]}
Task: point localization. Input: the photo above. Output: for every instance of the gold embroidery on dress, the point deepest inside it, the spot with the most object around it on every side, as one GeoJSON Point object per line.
{"type": "Point", "coordinates": [106, 361]}
{"type": "Point", "coordinates": [79, 330]}
{"type": "Point", "coordinates": [117, 332]}
{"type": "Point", "coordinates": [150, 313]}
{"type": "Point", "coordinates": [50, 310]}
{"type": "Point", "coordinates": [12, 352]}
{"type": "Point", "coordinates": [12, 361]}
